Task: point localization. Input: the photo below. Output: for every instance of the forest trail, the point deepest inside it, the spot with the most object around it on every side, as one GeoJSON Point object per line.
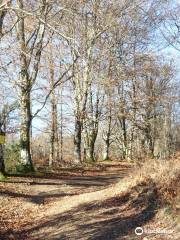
{"type": "Point", "coordinates": [82, 205]}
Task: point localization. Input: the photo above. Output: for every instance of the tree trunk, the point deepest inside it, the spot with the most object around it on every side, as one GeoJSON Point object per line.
{"type": "Point", "coordinates": [25, 130]}
{"type": "Point", "coordinates": [2, 15]}
{"type": "Point", "coordinates": [2, 133]}
{"type": "Point", "coordinates": [107, 134]}
{"type": "Point", "coordinates": [89, 143]}
{"type": "Point", "coordinates": [77, 140]}
{"type": "Point", "coordinates": [91, 124]}
{"type": "Point", "coordinates": [61, 127]}
{"type": "Point", "coordinates": [2, 166]}
{"type": "Point", "coordinates": [106, 150]}
{"type": "Point", "coordinates": [124, 138]}
{"type": "Point", "coordinates": [54, 139]}
{"type": "Point", "coordinates": [54, 149]}
{"type": "Point", "coordinates": [25, 89]}
{"type": "Point", "coordinates": [90, 153]}
{"type": "Point", "coordinates": [149, 140]}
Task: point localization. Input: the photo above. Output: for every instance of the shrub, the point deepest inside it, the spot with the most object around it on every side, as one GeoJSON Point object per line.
{"type": "Point", "coordinates": [12, 157]}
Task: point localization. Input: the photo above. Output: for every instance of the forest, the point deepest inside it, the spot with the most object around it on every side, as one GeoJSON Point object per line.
{"type": "Point", "coordinates": [89, 119]}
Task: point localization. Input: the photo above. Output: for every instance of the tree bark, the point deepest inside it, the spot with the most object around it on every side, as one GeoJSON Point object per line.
{"type": "Point", "coordinates": [90, 153]}
{"type": "Point", "coordinates": [106, 149]}
{"type": "Point", "coordinates": [54, 149]}
{"type": "Point", "coordinates": [89, 143]}
{"type": "Point", "coordinates": [25, 130]}
{"type": "Point", "coordinates": [54, 139]}
{"type": "Point", "coordinates": [124, 138]}
{"type": "Point", "coordinates": [107, 133]}
{"type": "Point", "coordinates": [77, 140]}
{"type": "Point", "coordinates": [91, 124]}
{"type": "Point", "coordinates": [27, 78]}
{"type": "Point", "coordinates": [2, 167]}
{"type": "Point", "coordinates": [3, 13]}
{"type": "Point", "coordinates": [25, 105]}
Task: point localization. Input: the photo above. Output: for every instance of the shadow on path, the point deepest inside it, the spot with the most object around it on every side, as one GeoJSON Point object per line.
{"type": "Point", "coordinates": [113, 219]}
{"type": "Point", "coordinates": [58, 188]}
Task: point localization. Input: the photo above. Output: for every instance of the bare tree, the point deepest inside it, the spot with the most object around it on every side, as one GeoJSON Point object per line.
{"type": "Point", "coordinates": [54, 136]}
{"type": "Point", "coordinates": [91, 125]}
{"type": "Point", "coordinates": [30, 55]}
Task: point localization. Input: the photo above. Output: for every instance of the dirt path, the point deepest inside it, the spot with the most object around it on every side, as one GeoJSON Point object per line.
{"type": "Point", "coordinates": [85, 205]}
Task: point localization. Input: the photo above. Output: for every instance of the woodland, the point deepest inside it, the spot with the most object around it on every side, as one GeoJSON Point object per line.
{"type": "Point", "coordinates": [89, 119]}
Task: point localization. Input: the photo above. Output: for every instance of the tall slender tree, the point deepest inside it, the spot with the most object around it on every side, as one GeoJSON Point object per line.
{"type": "Point", "coordinates": [30, 55]}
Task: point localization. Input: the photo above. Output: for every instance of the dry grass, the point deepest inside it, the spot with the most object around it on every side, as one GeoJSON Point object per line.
{"type": "Point", "coordinates": [166, 176]}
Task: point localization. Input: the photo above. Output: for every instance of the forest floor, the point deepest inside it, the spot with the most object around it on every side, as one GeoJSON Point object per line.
{"type": "Point", "coordinates": [80, 204]}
